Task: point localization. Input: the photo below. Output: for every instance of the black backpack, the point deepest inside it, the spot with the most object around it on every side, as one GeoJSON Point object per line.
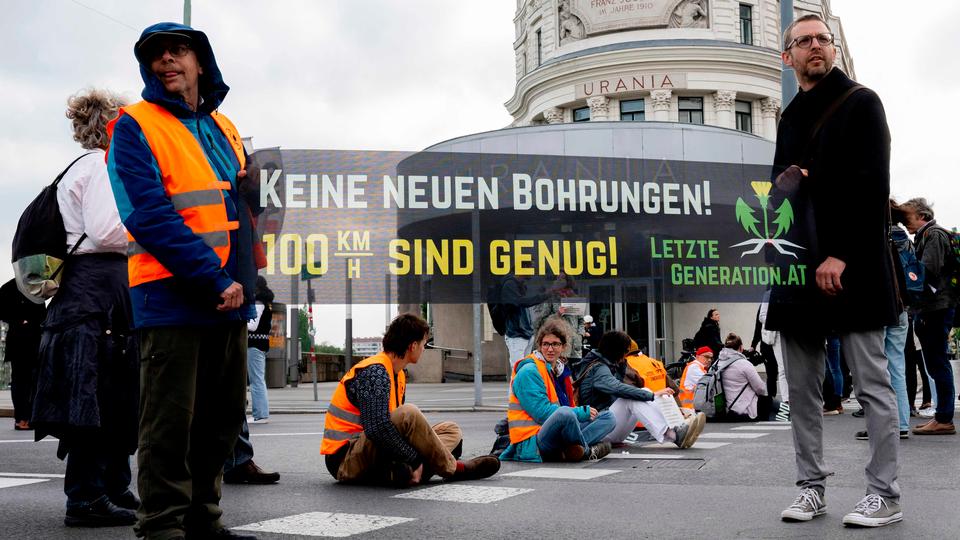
{"type": "Point", "coordinates": [40, 244]}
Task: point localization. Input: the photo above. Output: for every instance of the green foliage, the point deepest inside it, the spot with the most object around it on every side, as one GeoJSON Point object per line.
{"type": "Point", "coordinates": [306, 341]}
{"type": "Point", "coordinates": [784, 218]}
{"type": "Point", "coordinates": [746, 218]}
{"type": "Point", "coordinates": [327, 348]}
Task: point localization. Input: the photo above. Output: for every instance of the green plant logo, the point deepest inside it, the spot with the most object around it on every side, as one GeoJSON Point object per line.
{"type": "Point", "coordinates": [783, 221]}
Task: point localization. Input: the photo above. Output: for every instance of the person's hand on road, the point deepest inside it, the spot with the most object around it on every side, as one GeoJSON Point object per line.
{"type": "Point", "coordinates": [416, 475]}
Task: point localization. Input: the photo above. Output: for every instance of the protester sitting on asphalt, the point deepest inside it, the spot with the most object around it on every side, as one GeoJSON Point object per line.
{"type": "Point", "coordinates": [692, 375]}
{"type": "Point", "coordinates": [371, 436]}
{"type": "Point", "coordinates": [745, 391]}
{"type": "Point", "coordinates": [598, 377]}
{"type": "Point", "coordinates": [543, 427]}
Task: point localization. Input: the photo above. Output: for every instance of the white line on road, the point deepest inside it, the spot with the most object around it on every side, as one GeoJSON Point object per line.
{"type": "Point", "coordinates": [762, 428]}
{"type": "Point", "coordinates": [27, 440]}
{"type": "Point", "coordinates": [14, 482]}
{"type": "Point", "coordinates": [324, 524]}
{"type": "Point", "coordinates": [772, 423]}
{"type": "Point", "coordinates": [563, 474]}
{"type": "Point", "coordinates": [732, 435]}
{"type": "Point", "coordinates": [31, 475]}
{"type": "Point", "coordinates": [699, 445]}
{"type": "Point", "coordinates": [650, 456]}
{"type": "Point", "coordinates": [464, 494]}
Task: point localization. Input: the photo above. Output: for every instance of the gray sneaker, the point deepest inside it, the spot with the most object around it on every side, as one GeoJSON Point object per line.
{"type": "Point", "coordinates": [808, 505]}
{"type": "Point", "coordinates": [874, 511]}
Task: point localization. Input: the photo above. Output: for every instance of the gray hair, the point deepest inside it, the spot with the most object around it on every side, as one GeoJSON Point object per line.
{"type": "Point", "coordinates": [920, 206]}
{"type": "Point", "coordinates": [808, 17]}
{"type": "Point", "coordinates": [89, 112]}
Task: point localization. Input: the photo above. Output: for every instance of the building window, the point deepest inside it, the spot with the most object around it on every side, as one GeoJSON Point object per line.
{"type": "Point", "coordinates": [691, 110]}
{"type": "Point", "coordinates": [746, 24]}
{"type": "Point", "coordinates": [632, 110]}
{"type": "Point", "coordinates": [744, 116]}
{"type": "Point", "coordinates": [581, 115]}
{"type": "Point", "coordinates": [539, 48]}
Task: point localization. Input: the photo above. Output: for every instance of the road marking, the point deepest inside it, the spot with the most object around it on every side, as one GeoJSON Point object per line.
{"type": "Point", "coordinates": [14, 482]}
{"type": "Point", "coordinates": [701, 445]}
{"type": "Point", "coordinates": [732, 435]}
{"type": "Point", "coordinates": [27, 440]}
{"type": "Point", "coordinates": [772, 423]}
{"type": "Point", "coordinates": [650, 456]}
{"type": "Point", "coordinates": [464, 494]}
{"type": "Point", "coordinates": [31, 475]}
{"type": "Point", "coordinates": [324, 524]}
{"type": "Point", "coordinates": [762, 428]}
{"type": "Point", "coordinates": [562, 474]}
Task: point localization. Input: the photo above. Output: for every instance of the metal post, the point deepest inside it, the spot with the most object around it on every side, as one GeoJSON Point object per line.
{"type": "Point", "coordinates": [348, 342]}
{"type": "Point", "coordinates": [788, 79]}
{"type": "Point", "coordinates": [186, 12]}
{"type": "Point", "coordinates": [477, 317]}
{"type": "Point", "coordinates": [387, 302]}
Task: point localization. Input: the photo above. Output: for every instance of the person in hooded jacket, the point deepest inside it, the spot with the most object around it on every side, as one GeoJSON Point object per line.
{"type": "Point", "coordinates": [177, 170]}
{"type": "Point", "coordinates": [709, 333]}
{"type": "Point", "coordinates": [747, 396]}
{"type": "Point", "coordinates": [599, 378]}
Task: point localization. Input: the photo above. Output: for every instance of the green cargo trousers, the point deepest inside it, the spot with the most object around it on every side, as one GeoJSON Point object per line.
{"type": "Point", "coordinates": [192, 392]}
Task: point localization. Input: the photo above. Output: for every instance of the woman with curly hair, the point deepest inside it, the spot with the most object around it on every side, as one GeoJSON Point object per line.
{"type": "Point", "coordinates": [88, 383]}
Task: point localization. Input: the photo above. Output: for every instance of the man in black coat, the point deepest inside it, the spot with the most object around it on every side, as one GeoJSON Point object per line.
{"type": "Point", "coordinates": [838, 179]}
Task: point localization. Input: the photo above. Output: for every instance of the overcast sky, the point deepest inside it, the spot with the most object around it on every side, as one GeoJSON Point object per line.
{"type": "Point", "coordinates": [402, 75]}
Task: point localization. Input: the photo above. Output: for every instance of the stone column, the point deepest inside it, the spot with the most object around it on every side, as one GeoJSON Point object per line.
{"type": "Point", "coordinates": [768, 109]}
{"type": "Point", "coordinates": [661, 105]}
{"type": "Point", "coordinates": [553, 115]}
{"type": "Point", "coordinates": [723, 103]}
{"type": "Point", "coordinates": [599, 108]}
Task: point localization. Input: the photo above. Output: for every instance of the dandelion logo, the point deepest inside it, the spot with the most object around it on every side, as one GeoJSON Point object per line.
{"type": "Point", "coordinates": [783, 221]}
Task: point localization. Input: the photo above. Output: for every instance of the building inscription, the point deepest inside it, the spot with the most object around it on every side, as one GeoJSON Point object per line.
{"type": "Point", "coordinates": [622, 83]}
{"type": "Point", "coordinates": [588, 17]}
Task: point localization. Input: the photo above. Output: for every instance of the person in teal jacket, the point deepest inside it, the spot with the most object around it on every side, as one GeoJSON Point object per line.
{"type": "Point", "coordinates": [567, 432]}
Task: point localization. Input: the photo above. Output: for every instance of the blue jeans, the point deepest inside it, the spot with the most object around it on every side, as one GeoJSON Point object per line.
{"type": "Point", "coordinates": [563, 429]}
{"type": "Point", "coordinates": [94, 471]}
{"type": "Point", "coordinates": [933, 330]}
{"type": "Point", "coordinates": [256, 371]}
{"type": "Point", "coordinates": [242, 451]}
{"type": "Point", "coordinates": [833, 365]}
{"type": "Point", "coordinates": [894, 345]}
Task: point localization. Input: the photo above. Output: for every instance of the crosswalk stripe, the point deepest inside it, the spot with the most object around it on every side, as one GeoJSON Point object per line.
{"type": "Point", "coordinates": [650, 456]}
{"type": "Point", "coordinates": [562, 474]}
{"type": "Point", "coordinates": [732, 435]}
{"type": "Point", "coordinates": [464, 493]}
{"type": "Point", "coordinates": [772, 423]}
{"type": "Point", "coordinates": [14, 482]}
{"type": "Point", "coordinates": [699, 445]}
{"type": "Point", "coordinates": [31, 475]}
{"type": "Point", "coordinates": [327, 524]}
{"type": "Point", "coordinates": [762, 428]}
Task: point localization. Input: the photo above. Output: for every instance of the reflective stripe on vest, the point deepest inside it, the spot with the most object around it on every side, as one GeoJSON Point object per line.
{"type": "Point", "coordinates": [188, 179]}
{"type": "Point", "coordinates": [342, 421]}
{"type": "Point", "coordinates": [522, 425]}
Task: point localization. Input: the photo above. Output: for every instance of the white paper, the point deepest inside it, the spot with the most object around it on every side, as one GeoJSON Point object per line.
{"type": "Point", "coordinates": [668, 406]}
{"type": "Point", "coordinates": [578, 307]}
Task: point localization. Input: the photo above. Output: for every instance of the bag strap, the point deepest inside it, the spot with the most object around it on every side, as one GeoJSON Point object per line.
{"type": "Point", "coordinates": [72, 163]}
{"type": "Point", "coordinates": [826, 116]}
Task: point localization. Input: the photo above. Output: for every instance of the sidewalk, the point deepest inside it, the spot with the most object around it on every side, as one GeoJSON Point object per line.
{"type": "Point", "coordinates": [430, 397]}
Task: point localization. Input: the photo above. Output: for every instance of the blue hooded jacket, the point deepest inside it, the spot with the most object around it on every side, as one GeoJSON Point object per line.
{"type": "Point", "coordinates": [191, 296]}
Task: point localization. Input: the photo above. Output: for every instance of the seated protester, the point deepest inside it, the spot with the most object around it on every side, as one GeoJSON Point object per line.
{"type": "Point", "coordinates": [371, 436]}
{"type": "Point", "coordinates": [692, 374]}
{"type": "Point", "coordinates": [746, 393]}
{"type": "Point", "coordinates": [541, 427]}
{"type": "Point", "coordinates": [598, 376]}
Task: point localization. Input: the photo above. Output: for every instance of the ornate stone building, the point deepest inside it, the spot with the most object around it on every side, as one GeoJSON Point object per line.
{"type": "Point", "coordinates": [712, 62]}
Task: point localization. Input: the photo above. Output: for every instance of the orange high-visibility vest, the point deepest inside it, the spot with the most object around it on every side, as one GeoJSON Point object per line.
{"type": "Point", "coordinates": [686, 396]}
{"type": "Point", "coordinates": [189, 181]}
{"type": "Point", "coordinates": [651, 371]}
{"type": "Point", "coordinates": [522, 425]}
{"type": "Point", "coordinates": [342, 422]}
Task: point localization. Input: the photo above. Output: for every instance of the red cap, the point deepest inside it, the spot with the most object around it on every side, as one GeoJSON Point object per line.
{"type": "Point", "coordinates": [704, 350]}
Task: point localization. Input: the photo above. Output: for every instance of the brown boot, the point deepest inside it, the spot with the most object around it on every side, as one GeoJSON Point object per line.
{"type": "Point", "coordinates": [476, 468]}
{"type": "Point", "coordinates": [935, 428]}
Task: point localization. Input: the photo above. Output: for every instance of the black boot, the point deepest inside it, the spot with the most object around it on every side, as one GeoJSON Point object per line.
{"type": "Point", "coordinates": [99, 513]}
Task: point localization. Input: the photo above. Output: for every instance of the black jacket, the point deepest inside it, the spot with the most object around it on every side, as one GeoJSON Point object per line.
{"type": "Point", "coordinates": [708, 336]}
{"type": "Point", "coordinates": [600, 386]}
{"type": "Point", "coordinates": [841, 211]}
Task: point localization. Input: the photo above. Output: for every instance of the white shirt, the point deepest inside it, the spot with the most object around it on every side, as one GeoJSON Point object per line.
{"type": "Point", "coordinates": [87, 206]}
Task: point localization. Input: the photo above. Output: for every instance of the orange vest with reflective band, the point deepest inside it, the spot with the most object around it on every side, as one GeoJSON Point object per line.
{"type": "Point", "coordinates": [189, 181]}
{"type": "Point", "coordinates": [342, 421]}
{"type": "Point", "coordinates": [652, 371]}
{"type": "Point", "coordinates": [686, 396]}
{"type": "Point", "coordinates": [522, 425]}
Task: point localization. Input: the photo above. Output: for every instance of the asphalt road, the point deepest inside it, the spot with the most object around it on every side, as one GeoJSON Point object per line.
{"type": "Point", "coordinates": [732, 488]}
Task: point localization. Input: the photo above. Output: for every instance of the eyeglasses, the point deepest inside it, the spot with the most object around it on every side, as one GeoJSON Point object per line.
{"type": "Point", "coordinates": [551, 345]}
{"type": "Point", "coordinates": [178, 50]}
{"type": "Point", "coordinates": [804, 42]}
{"type": "Point", "coordinates": [707, 356]}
